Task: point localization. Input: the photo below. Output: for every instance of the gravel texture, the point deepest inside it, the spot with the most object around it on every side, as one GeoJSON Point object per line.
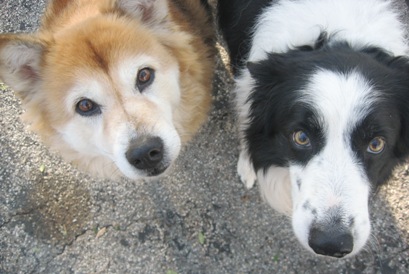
{"type": "Point", "coordinates": [199, 219]}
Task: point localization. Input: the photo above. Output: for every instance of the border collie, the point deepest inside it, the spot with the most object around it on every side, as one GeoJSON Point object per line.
{"type": "Point", "coordinates": [322, 91]}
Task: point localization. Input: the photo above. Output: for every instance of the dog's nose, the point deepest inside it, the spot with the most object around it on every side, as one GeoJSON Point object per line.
{"type": "Point", "coordinates": [145, 152]}
{"type": "Point", "coordinates": [334, 242]}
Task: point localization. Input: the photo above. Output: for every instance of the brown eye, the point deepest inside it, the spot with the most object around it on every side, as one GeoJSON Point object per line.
{"type": "Point", "coordinates": [300, 138]}
{"type": "Point", "coordinates": [144, 75]}
{"type": "Point", "coordinates": [87, 107]}
{"type": "Point", "coordinates": [376, 145]}
{"type": "Point", "coordinates": [144, 78]}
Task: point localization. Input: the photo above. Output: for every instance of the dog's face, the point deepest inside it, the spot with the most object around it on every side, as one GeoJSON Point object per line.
{"type": "Point", "coordinates": [103, 94]}
{"type": "Point", "coordinates": [338, 122]}
{"type": "Point", "coordinates": [118, 100]}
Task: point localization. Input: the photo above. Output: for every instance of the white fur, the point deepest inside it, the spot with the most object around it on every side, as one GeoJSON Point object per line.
{"type": "Point", "coordinates": [245, 169]}
{"type": "Point", "coordinates": [275, 188]}
{"type": "Point", "coordinates": [16, 57]}
{"type": "Point", "coordinates": [333, 178]}
{"type": "Point", "coordinates": [289, 24]}
{"type": "Point", "coordinates": [125, 115]}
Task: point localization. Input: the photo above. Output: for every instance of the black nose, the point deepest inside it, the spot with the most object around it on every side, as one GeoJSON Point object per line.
{"type": "Point", "coordinates": [334, 242]}
{"type": "Point", "coordinates": [145, 153]}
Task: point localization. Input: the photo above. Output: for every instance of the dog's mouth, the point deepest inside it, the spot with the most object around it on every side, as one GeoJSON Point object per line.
{"type": "Point", "coordinates": [156, 171]}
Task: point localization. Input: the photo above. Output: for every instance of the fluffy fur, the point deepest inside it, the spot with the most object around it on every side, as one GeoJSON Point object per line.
{"type": "Point", "coordinates": [322, 92]}
{"type": "Point", "coordinates": [116, 86]}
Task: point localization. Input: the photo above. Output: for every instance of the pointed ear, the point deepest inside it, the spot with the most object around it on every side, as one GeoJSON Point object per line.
{"type": "Point", "coordinates": [20, 62]}
{"type": "Point", "coordinates": [275, 69]}
{"type": "Point", "coordinates": [151, 12]}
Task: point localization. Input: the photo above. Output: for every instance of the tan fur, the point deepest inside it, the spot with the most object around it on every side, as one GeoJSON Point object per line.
{"type": "Point", "coordinates": [93, 37]}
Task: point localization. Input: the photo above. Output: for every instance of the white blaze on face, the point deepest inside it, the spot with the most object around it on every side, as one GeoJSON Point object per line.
{"type": "Point", "coordinates": [334, 178]}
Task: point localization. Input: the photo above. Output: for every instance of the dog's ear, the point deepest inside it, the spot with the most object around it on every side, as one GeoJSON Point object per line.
{"type": "Point", "coordinates": [402, 145]}
{"type": "Point", "coordinates": [273, 70]}
{"type": "Point", "coordinates": [252, 68]}
{"type": "Point", "coordinates": [20, 62]}
{"type": "Point", "coordinates": [151, 12]}
{"type": "Point", "coordinates": [400, 66]}
{"type": "Point", "coordinates": [259, 69]}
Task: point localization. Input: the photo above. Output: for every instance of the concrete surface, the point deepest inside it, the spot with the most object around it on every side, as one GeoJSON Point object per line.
{"type": "Point", "coordinates": [200, 219]}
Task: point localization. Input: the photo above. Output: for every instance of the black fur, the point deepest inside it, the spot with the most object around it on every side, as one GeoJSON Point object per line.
{"type": "Point", "coordinates": [236, 20]}
{"type": "Point", "coordinates": [279, 106]}
{"type": "Point", "coordinates": [206, 5]}
{"type": "Point", "coordinates": [277, 111]}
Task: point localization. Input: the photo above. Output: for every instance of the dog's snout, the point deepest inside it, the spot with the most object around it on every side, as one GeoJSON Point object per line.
{"type": "Point", "coordinates": [145, 153]}
{"type": "Point", "coordinates": [334, 242]}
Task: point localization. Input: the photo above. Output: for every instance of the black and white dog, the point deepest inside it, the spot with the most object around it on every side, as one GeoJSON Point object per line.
{"type": "Point", "coordinates": [322, 91]}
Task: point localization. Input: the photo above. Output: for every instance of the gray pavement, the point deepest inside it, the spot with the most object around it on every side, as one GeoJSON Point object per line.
{"type": "Point", "coordinates": [199, 219]}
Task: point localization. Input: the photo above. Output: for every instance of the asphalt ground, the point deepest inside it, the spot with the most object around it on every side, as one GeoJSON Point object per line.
{"type": "Point", "coordinates": [199, 219]}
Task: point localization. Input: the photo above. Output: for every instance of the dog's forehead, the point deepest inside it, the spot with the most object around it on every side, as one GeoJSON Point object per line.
{"type": "Point", "coordinates": [340, 99]}
{"type": "Point", "coordinates": [101, 44]}
{"type": "Point", "coordinates": [105, 50]}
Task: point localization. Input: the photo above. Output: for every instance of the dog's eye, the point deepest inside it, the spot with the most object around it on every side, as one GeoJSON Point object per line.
{"type": "Point", "coordinates": [87, 107]}
{"type": "Point", "coordinates": [376, 145]}
{"type": "Point", "coordinates": [144, 78]}
{"type": "Point", "coordinates": [300, 138]}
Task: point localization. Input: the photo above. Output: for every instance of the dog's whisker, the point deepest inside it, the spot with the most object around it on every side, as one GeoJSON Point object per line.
{"type": "Point", "coordinates": [375, 249]}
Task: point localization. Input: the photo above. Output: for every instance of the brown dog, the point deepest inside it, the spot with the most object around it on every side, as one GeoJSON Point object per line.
{"type": "Point", "coordinates": [116, 86]}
